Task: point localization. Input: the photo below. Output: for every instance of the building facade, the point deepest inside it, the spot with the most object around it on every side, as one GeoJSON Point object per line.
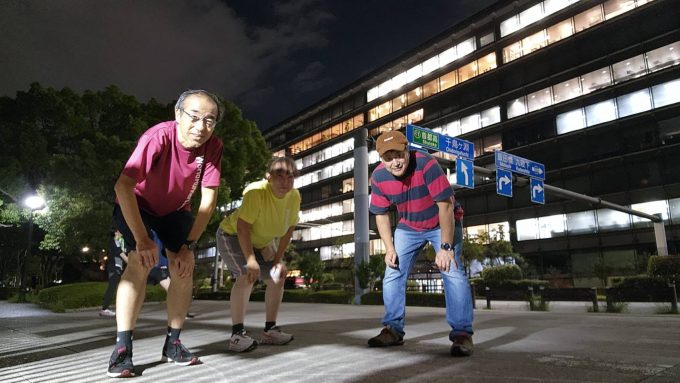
{"type": "Point", "coordinates": [589, 88]}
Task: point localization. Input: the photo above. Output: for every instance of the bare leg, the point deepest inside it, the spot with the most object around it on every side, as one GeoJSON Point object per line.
{"type": "Point", "coordinates": [131, 293]}
{"type": "Point", "coordinates": [179, 294]}
{"type": "Point", "coordinates": [240, 295]}
{"type": "Point", "coordinates": [272, 298]}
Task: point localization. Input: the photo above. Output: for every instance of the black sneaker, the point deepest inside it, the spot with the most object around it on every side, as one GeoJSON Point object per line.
{"type": "Point", "coordinates": [387, 337]}
{"type": "Point", "coordinates": [176, 352]}
{"type": "Point", "coordinates": [462, 345]}
{"type": "Point", "coordinates": [120, 364]}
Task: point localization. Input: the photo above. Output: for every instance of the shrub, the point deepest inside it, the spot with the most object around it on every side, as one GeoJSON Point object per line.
{"type": "Point", "coordinates": [642, 282]}
{"type": "Point", "coordinates": [666, 266]}
{"type": "Point", "coordinates": [495, 275]}
{"type": "Point", "coordinates": [83, 295]}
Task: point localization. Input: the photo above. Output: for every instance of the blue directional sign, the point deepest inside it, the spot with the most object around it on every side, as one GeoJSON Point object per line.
{"type": "Point", "coordinates": [504, 182]}
{"type": "Point", "coordinates": [437, 141]}
{"type": "Point", "coordinates": [537, 191]}
{"type": "Point", "coordinates": [519, 165]}
{"type": "Point", "coordinates": [465, 173]}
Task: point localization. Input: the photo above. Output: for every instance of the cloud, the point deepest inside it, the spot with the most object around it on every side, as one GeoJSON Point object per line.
{"type": "Point", "coordinates": [151, 48]}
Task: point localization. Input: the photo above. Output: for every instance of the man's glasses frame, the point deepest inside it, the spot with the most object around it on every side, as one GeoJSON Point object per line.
{"type": "Point", "coordinates": [210, 122]}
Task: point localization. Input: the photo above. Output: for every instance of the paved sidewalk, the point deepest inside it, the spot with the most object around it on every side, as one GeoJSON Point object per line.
{"type": "Point", "coordinates": [567, 344]}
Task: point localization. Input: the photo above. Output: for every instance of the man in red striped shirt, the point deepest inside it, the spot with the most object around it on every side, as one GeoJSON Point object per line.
{"type": "Point", "coordinates": [414, 183]}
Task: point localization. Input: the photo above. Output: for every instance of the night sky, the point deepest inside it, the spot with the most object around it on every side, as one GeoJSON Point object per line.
{"type": "Point", "coordinates": [272, 58]}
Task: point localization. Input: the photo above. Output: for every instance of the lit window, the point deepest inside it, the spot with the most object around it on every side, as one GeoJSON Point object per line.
{"type": "Point", "coordinates": [601, 112]}
{"type": "Point", "coordinates": [595, 80]}
{"type": "Point", "coordinates": [588, 18]}
{"type": "Point", "coordinates": [414, 95]}
{"type": "Point", "coordinates": [415, 116]}
{"type": "Point", "coordinates": [399, 102]}
{"type": "Point", "coordinates": [664, 57]}
{"type": "Point", "coordinates": [467, 72]}
{"type": "Point", "coordinates": [430, 88]}
{"type": "Point", "coordinates": [552, 6]}
{"type": "Point", "coordinates": [531, 15]}
{"type": "Point", "coordinates": [551, 226]}
{"type": "Point", "coordinates": [466, 47]}
{"type": "Point", "coordinates": [448, 56]}
{"type": "Point", "coordinates": [560, 31]}
{"type": "Point", "coordinates": [566, 90]}
{"type": "Point", "coordinates": [430, 65]}
{"type": "Point", "coordinates": [512, 52]}
{"type": "Point", "coordinates": [613, 8]}
{"type": "Point", "coordinates": [632, 103]}
{"type": "Point", "coordinates": [539, 100]}
{"type": "Point", "coordinates": [629, 69]}
{"type": "Point", "coordinates": [651, 208]}
{"type": "Point", "coordinates": [510, 25]}
{"type": "Point", "coordinates": [448, 80]}
{"type": "Point", "coordinates": [491, 116]}
{"type": "Point", "coordinates": [527, 229]}
{"type": "Point", "coordinates": [534, 42]}
{"type": "Point", "coordinates": [372, 94]}
{"type": "Point", "coordinates": [414, 73]}
{"type": "Point", "coordinates": [399, 80]}
{"type": "Point", "coordinates": [582, 222]}
{"type": "Point", "coordinates": [608, 219]}
{"type": "Point", "coordinates": [385, 88]}
{"type": "Point", "coordinates": [517, 107]}
{"type": "Point", "coordinates": [452, 128]}
{"type": "Point", "coordinates": [666, 93]}
{"type": "Point", "coordinates": [570, 121]}
{"type": "Point", "coordinates": [469, 123]}
{"type": "Point", "coordinates": [487, 63]}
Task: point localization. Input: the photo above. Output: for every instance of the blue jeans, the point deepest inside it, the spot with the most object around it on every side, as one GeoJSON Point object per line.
{"type": "Point", "coordinates": [456, 286]}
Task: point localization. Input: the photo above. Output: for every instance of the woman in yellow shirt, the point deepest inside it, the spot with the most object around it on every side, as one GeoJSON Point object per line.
{"type": "Point", "coordinates": [252, 241]}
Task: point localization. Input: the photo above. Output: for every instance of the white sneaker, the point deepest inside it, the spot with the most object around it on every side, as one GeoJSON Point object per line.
{"type": "Point", "coordinates": [241, 342]}
{"type": "Point", "coordinates": [275, 336]}
{"type": "Point", "coordinates": [107, 313]}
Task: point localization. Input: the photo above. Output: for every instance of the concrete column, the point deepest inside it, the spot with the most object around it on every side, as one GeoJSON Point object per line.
{"type": "Point", "coordinates": [361, 237]}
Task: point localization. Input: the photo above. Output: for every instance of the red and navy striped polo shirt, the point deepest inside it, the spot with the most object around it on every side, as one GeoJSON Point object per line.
{"type": "Point", "coordinates": [415, 194]}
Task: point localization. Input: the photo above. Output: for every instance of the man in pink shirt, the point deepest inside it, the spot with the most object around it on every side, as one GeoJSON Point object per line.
{"type": "Point", "coordinates": [153, 192]}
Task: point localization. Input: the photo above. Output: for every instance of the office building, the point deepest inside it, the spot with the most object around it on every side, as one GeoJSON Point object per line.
{"type": "Point", "coordinates": [590, 89]}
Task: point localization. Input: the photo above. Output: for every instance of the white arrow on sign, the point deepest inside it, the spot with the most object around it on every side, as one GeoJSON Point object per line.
{"type": "Point", "coordinates": [536, 189]}
{"type": "Point", "coordinates": [503, 180]}
{"type": "Point", "coordinates": [537, 170]}
{"type": "Point", "coordinates": [464, 169]}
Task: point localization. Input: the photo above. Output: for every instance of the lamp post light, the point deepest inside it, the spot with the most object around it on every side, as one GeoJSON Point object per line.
{"type": "Point", "coordinates": [34, 203]}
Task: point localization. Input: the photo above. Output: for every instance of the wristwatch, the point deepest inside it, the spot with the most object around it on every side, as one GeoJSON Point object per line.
{"type": "Point", "coordinates": [191, 245]}
{"type": "Point", "coordinates": [446, 246]}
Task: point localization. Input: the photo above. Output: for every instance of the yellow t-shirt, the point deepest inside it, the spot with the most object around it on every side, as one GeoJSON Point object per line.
{"type": "Point", "coordinates": [269, 216]}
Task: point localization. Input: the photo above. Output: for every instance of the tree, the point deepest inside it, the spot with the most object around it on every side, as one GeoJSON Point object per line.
{"type": "Point", "coordinates": [72, 148]}
{"type": "Point", "coordinates": [312, 268]}
{"type": "Point", "coordinates": [370, 272]}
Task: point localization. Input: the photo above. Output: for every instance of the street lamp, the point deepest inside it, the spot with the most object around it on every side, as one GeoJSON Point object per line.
{"type": "Point", "coordinates": [34, 203]}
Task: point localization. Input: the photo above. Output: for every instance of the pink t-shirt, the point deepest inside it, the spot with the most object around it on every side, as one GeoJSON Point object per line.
{"type": "Point", "coordinates": [167, 174]}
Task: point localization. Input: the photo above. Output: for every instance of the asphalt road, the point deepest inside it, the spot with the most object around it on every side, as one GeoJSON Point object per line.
{"type": "Point", "coordinates": [567, 344]}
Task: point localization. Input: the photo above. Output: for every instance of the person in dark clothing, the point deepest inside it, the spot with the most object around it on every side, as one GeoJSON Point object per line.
{"type": "Point", "coordinates": [115, 264]}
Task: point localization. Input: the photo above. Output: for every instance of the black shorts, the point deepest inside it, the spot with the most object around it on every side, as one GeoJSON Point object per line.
{"type": "Point", "coordinates": [157, 274]}
{"type": "Point", "coordinates": [172, 229]}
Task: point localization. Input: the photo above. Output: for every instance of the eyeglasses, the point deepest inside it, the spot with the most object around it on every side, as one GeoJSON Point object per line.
{"type": "Point", "coordinates": [208, 121]}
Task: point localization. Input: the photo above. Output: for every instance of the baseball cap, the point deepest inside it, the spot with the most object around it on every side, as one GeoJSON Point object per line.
{"type": "Point", "coordinates": [392, 140]}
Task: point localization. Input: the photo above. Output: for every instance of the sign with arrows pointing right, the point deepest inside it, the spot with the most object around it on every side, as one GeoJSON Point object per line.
{"type": "Point", "coordinates": [504, 182]}
{"type": "Point", "coordinates": [537, 191]}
